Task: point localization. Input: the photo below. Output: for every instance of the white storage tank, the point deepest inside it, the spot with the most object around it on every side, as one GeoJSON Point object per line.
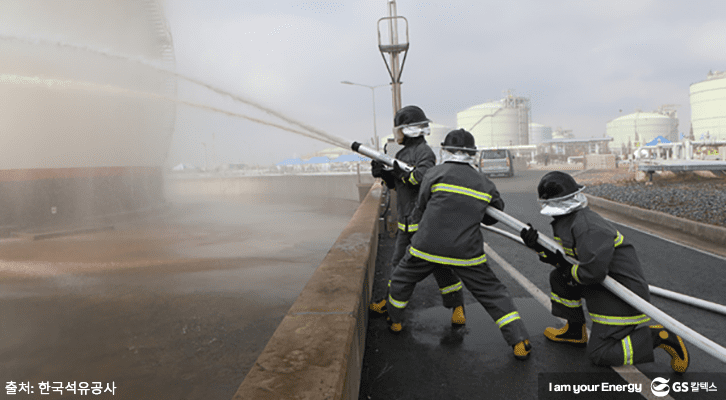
{"type": "Point", "coordinates": [499, 123]}
{"type": "Point", "coordinates": [708, 107]}
{"type": "Point", "coordinates": [539, 133]}
{"type": "Point", "coordinates": [84, 128]}
{"type": "Point", "coordinates": [640, 128]}
{"type": "Point", "coordinates": [438, 133]}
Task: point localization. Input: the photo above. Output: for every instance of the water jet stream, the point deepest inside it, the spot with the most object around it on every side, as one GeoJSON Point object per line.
{"type": "Point", "coordinates": [319, 135]}
{"type": "Point", "coordinates": [89, 86]}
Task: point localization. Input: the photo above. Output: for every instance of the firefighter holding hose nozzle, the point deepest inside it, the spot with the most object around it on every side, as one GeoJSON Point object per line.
{"type": "Point", "coordinates": [620, 335]}
{"type": "Point", "coordinates": [410, 127]}
{"type": "Point", "coordinates": [452, 205]}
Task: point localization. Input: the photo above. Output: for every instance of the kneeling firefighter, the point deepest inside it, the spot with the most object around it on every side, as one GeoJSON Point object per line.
{"type": "Point", "coordinates": [619, 333]}
{"type": "Point", "coordinates": [410, 126]}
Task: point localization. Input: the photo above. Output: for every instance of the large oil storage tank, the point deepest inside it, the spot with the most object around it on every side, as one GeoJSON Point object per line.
{"type": "Point", "coordinates": [438, 134]}
{"type": "Point", "coordinates": [539, 133]}
{"type": "Point", "coordinates": [84, 124]}
{"type": "Point", "coordinates": [499, 123]}
{"type": "Point", "coordinates": [638, 128]}
{"type": "Point", "coordinates": [708, 107]}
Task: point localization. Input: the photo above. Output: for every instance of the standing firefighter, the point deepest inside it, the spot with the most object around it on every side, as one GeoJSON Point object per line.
{"type": "Point", "coordinates": [452, 204]}
{"type": "Point", "coordinates": [410, 126]}
{"type": "Point", "coordinates": [618, 334]}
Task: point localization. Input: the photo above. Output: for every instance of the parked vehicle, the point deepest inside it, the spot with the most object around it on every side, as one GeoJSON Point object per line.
{"type": "Point", "coordinates": [493, 162]}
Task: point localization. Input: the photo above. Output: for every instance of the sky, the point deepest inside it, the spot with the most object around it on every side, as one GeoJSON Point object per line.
{"type": "Point", "coordinates": [581, 63]}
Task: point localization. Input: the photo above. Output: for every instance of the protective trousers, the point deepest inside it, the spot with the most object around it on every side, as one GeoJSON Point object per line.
{"type": "Point", "coordinates": [449, 284]}
{"type": "Point", "coordinates": [616, 338]}
{"type": "Point", "coordinates": [479, 279]}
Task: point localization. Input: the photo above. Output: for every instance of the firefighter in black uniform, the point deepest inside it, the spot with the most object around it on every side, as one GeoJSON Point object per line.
{"type": "Point", "coordinates": [410, 126]}
{"type": "Point", "coordinates": [452, 204]}
{"type": "Point", "coordinates": [619, 336]}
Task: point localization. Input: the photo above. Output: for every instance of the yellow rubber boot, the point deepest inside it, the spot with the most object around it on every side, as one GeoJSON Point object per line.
{"type": "Point", "coordinates": [570, 335]}
{"type": "Point", "coordinates": [457, 317]}
{"type": "Point", "coordinates": [673, 345]}
{"type": "Point", "coordinates": [378, 308]}
{"type": "Point", "coordinates": [522, 350]}
{"type": "Point", "coordinates": [394, 327]}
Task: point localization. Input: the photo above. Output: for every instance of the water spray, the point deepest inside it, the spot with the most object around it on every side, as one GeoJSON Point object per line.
{"type": "Point", "coordinates": [93, 87]}
{"type": "Point", "coordinates": [318, 134]}
{"type": "Point", "coordinates": [314, 133]}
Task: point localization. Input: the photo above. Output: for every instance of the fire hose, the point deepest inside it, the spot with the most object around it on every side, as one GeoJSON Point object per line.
{"type": "Point", "coordinates": [609, 283]}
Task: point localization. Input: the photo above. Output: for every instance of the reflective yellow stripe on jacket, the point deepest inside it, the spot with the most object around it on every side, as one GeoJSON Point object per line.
{"type": "Point", "coordinates": [448, 260]}
{"type": "Point", "coordinates": [627, 351]}
{"type": "Point", "coordinates": [568, 251]}
{"type": "Point", "coordinates": [619, 238]}
{"type": "Point", "coordinates": [412, 179]}
{"type": "Point", "coordinates": [617, 320]}
{"type": "Point", "coordinates": [461, 190]}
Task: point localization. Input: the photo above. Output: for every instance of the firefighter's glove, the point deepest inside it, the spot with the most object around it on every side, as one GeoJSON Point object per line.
{"type": "Point", "coordinates": [529, 237]}
{"type": "Point", "coordinates": [398, 172]}
{"type": "Point", "coordinates": [376, 169]}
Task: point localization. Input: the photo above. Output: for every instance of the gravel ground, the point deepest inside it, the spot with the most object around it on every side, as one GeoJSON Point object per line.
{"type": "Point", "coordinates": [696, 196]}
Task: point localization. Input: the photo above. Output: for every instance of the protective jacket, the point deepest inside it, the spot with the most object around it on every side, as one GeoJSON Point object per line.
{"type": "Point", "coordinates": [454, 196]}
{"type": "Point", "coordinates": [454, 238]}
{"type": "Point", "coordinates": [601, 251]}
{"type": "Point", "coordinates": [418, 154]}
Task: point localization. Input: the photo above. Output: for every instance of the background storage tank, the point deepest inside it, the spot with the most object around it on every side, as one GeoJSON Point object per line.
{"type": "Point", "coordinates": [638, 128]}
{"type": "Point", "coordinates": [499, 123]}
{"type": "Point", "coordinates": [438, 133]}
{"type": "Point", "coordinates": [84, 132]}
{"type": "Point", "coordinates": [708, 107]}
{"type": "Point", "coordinates": [538, 133]}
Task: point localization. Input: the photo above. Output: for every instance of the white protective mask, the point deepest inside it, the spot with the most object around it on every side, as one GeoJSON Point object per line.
{"type": "Point", "coordinates": [415, 130]}
{"type": "Point", "coordinates": [563, 205]}
{"type": "Point", "coordinates": [459, 156]}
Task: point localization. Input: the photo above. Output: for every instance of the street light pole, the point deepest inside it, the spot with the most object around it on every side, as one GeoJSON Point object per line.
{"type": "Point", "coordinates": [373, 93]}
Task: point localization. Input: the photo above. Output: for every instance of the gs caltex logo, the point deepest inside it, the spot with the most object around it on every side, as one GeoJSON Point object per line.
{"type": "Point", "coordinates": [660, 387]}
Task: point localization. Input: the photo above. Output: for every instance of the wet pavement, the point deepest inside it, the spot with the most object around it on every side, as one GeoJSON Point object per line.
{"type": "Point", "coordinates": [175, 306]}
{"type": "Point", "coordinates": [430, 359]}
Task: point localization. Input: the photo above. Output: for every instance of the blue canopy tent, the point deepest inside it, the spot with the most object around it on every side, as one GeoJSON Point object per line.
{"type": "Point", "coordinates": [657, 140]}
{"type": "Point", "coordinates": [290, 161]}
{"type": "Point", "coordinates": [317, 160]}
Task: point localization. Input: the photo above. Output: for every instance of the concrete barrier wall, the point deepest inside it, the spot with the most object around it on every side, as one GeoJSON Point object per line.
{"type": "Point", "coordinates": [337, 186]}
{"type": "Point", "coordinates": [705, 232]}
{"type": "Point", "coordinates": [317, 351]}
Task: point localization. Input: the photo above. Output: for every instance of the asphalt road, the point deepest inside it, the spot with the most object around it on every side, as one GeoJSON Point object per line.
{"type": "Point", "coordinates": [432, 360]}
